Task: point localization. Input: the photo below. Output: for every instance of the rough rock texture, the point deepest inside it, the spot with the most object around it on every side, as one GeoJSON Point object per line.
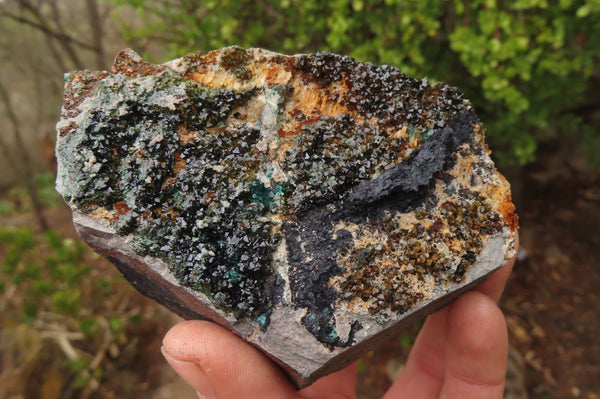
{"type": "Point", "coordinates": [310, 203]}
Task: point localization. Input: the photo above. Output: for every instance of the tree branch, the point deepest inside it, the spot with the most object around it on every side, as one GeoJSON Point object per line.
{"type": "Point", "coordinates": [96, 24]}
{"type": "Point", "coordinates": [25, 161]}
{"type": "Point", "coordinates": [47, 30]}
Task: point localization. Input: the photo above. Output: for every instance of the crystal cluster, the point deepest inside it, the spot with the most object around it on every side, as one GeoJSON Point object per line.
{"type": "Point", "coordinates": [308, 203]}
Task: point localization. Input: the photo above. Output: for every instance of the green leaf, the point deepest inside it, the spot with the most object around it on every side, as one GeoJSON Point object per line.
{"type": "Point", "coordinates": [66, 302]}
{"type": "Point", "coordinates": [360, 366]}
{"type": "Point", "coordinates": [7, 208]}
{"type": "Point", "coordinates": [584, 11]}
{"type": "Point", "coordinates": [406, 340]}
{"type": "Point", "coordinates": [53, 238]}
{"type": "Point", "coordinates": [43, 288]}
{"type": "Point", "coordinates": [30, 310]}
{"type": "Point", "coordinates": [115, 324]}
{"type": "Point", "coordinates": [77, 365]}
{"type": "Point", "coordinates": [11, 261]}
{"type": "Point", "coordinates": [24, 238]}
{"type": "Point", "coordinates": [89, 327]}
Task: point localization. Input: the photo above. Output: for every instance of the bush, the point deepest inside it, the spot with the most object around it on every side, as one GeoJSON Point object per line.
{"type": "Point", "coordinates": [18, 200]}
{"type": "Point", "coordinates": [61, 318]}
{"type": "Point", "coordinates": [531, 67]}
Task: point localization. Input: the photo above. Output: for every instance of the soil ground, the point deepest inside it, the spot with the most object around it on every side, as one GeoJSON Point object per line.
{"type": "Point", "coordinates": [552, 301]}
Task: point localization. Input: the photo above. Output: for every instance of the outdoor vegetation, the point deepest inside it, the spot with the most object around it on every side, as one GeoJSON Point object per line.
{"type": "Point", "coordinates": [528, 65]}
{"type": "Point", "coordinates": [70, 325]}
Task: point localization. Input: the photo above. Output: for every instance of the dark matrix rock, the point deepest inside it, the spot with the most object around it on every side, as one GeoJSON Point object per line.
{"type": "Point", "coordinates": [312, 204]}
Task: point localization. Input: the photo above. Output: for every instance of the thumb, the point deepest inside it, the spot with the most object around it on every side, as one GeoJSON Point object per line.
{"type": "Point", "coordinates": [219, 364]}
{"type": "Point", "coordinates": [192, 374]}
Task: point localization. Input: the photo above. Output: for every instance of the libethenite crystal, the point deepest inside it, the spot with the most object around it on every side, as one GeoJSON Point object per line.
{"type": "Point", "coordinates": [311, 203]}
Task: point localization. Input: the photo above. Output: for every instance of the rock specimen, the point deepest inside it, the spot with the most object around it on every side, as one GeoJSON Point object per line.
{"type": "Point", "coordinates": [312, 204]}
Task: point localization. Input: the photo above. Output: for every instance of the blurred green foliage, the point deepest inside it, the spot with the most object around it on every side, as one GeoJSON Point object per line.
{"type": "Point", "coordinates": [406, 339]}
{"type": "Point", "coordinates": [529, 66]}
{"type": "Point", "coordinates": [18, 200]}
{"type": "Point", "coordinates": [82, 322]}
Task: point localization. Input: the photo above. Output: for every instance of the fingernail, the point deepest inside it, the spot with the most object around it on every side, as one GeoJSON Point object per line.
{"type": "Point", "coordinates": [192, 374]}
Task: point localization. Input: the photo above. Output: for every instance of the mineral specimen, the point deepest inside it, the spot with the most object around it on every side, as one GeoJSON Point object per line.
{"type": "Point", "coordinates": [311, 203]}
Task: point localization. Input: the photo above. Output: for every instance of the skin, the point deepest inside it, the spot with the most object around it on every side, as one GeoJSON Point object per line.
{"type": "Point", "coordinates": [461, 352]}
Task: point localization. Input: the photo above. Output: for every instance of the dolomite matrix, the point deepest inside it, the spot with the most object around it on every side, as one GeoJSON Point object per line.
{"type": "Point", "coordinates": [312, 204]}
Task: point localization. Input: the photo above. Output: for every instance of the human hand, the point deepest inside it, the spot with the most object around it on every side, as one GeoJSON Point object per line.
{"type": "Point", "coordinates": [461, 352]}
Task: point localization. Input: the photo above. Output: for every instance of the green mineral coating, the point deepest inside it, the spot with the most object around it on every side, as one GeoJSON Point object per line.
{"type": "Point", "coordinates": [261, 194]}
{"type": "Point", "coordinates": [208, 225]}
{"type": "Point", "coordinates": [422, 135]}
{"type": "Point", "coordinates": [262, 321]}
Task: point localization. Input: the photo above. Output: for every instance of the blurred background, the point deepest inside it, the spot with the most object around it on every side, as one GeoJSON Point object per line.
{"type": "Point", "coordinates": [71, 327]}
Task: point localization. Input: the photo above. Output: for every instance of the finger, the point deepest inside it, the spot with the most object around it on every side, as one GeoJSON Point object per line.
{"type": "Point", "coordinates": [476, 349]}
{"type": "Point", "coordinates": [423, 374]}
{"type": "Point", "coordinates": [338, 385]}
{"type": "Point", "coordinates": [494, 285]}
{"type": "Point", "coordinates": [219, 364]}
